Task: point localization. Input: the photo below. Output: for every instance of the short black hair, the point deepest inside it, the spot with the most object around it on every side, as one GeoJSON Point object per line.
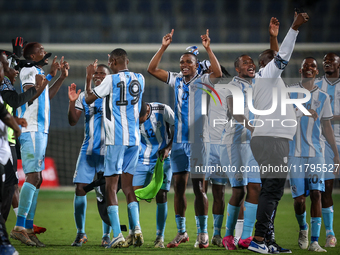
{"type": "Point", "coordinates": [238, 59]}
{"type": "Point", "coordinates": [269, 53]}
{"type": "Point", "coordinates": [225, 73]}
{"type": "Point", "coordinates": [119, 54]}
{"type": "Point", "coordinates": [190, 53]}
{"type": "Point", "coordinates": [29, 50]}
{"type": "Point", "coordinates": [143, 109]}
{"type": "Point", "coordinates": [309, 58]}
{"type": "Point", "coordinates": [105, 66]}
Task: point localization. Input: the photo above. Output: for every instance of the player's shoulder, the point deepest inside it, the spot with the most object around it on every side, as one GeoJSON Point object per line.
{"type": "Point", "coordinates": [157, 107]}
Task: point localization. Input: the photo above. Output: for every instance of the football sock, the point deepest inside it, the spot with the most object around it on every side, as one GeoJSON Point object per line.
{"type": "Point", "coordinates": [249, 219]}
{"type": "Point", "coordinates": [315, 228]}
{"type": "Point", "coordinates": [203, 222]}
{"type": "Point", "coordinates": [112, 211]}
{"type": "Point", "coordinates": [327, 215]}
{"type": "Point", "coordinates": [302, 221]}
{"type": "Point", "coordinates": [161, 215]}
{"type": "Point", "coordinates": [180, 222]}
{"type": "Point", "coordinates": [106, 229]}
{"type": "Point", "coordinates": [16, 211]}
{"type": "Point", "coordinates": [232, 212]}
{"type": "Point", "coordinates": [25, 202]}
{"type": "Point", "coordinates": [130, 222]}
{"type": "Point", "coordinates": [239, 228]}
{"type": "Point", "coordinates": [133, 207]}
{"type": "Point", "coordinates": [80, 204]}
{"type": "Point", "coordinates": [218, 220]}
{"type": "Point", "coordinates": [31, 212]}
{"type": "Point", "coordinates": [197, 225]}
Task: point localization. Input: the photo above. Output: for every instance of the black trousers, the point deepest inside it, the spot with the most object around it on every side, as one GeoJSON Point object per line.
{"type": "Point", "coordinates": [3, 232]}
{"type": "Point", "coordinates": [272, 156]}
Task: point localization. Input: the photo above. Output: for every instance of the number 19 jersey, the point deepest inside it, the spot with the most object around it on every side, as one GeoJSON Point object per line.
{"type": "Point", "coordinates": [123, 98]}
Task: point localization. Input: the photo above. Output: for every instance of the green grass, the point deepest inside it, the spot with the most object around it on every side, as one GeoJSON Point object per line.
{"type": "Point", "coordinates": [55, 212]}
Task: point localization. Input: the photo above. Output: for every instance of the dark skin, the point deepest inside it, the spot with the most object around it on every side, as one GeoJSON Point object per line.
{"type": "Point", "coordinates": [116, 65]}
{"type": "Point", "coordinates": [331, 67]}
{"type": "Point", "coordinates": [74, 114]}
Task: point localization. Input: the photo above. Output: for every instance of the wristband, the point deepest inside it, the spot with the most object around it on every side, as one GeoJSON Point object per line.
{"type": "Point", "coordinates": [48, 77]}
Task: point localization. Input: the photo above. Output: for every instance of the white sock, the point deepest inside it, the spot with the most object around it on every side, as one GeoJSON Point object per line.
{"type": "Point", "coordinates": [239, 228]}
{"type": "Point", "coordinates": [16, 211]}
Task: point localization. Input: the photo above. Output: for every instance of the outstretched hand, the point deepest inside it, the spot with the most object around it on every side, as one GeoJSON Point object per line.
{"type": "Point", "coordinates": [54, 67]}
{"type": "Point", "coordinates": [91, 68]}
{"type": "Point", "coordinates": [72, 94]}
{"type": "Point", "coordinates": [206, 39]}
{"type": "Point", "coordinates": [299, 19]}
{"type": "Point", "coordinates": [64, 66]}
{"type": "Point", "coordinates": [274, 25]}
{"type": "Point", "coordinates": [167, 39]}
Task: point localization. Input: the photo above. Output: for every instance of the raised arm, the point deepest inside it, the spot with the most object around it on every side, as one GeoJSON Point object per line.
{"type": "Point", "coordinates": [90, 97]}
{"type": "Point", "coordinates": [274, 25]}
{"type": "Point", "coordinates": [153, 65]}
{"type": "Point", "coordinates": [215, 67]}
{"type": "Point", "coordinates": [73, 113]}
{"type": "Point", "coordinates": [64, 67]}
{"type": "Point", "coordinates": [15, 100]}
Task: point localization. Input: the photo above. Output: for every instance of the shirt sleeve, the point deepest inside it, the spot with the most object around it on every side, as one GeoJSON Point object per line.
{"type": "Point", "coordinates": [172, 79]}
{"type": "Point", "coordinates": [169, 115]}
{"type": "Point", "coordinates": [27, 76]}
{"type": "Point", "coordinates": [79, 102]}
{"type": "Point", "coordinates": [275, 67]}
{"type": "Point", "coordinates": [104, 88]}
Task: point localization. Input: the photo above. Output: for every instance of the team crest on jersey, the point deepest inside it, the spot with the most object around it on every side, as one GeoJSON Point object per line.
{"type": "Point", "coordinates": [239, 177]}
{"type": "Point", "coordinates": [317, 104]}
{"type": "Point", "coordinates": [294, 190]}
{"type": "Point", "coordinates": [338, 93]}
{"type": "Point", "coordinates": [159, 124]}
{"type": "Point", "coordinates": [285, 160]}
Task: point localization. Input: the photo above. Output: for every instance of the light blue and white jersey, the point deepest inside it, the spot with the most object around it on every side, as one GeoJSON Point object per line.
{"type": "Point", "coordinates": [235, 132]}
{"type": "Point", "coordinates": [37, 114]}
{"type": "Point", "coordinates": [333, 90]}
{"type": "Point", "coordinates": [94, 132]}
{"type": "Point", "coordinates": [123, 98]}
{"type": "Point", "coordinates": [189, 119]}
{"type": "Point", "coordinates": [307, 141]}
{"type": "Point", "coordinates": [155, 132]}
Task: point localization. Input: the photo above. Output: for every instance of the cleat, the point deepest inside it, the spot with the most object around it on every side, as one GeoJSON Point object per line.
{"type": "Point", "coordinates": [22, 236]}
{"type": "Point", "coordinates": [35, 239]}
{"type": "Point", "coordinates": [217, 240]}
{"type": "Point", "coordinates": [105, 241]}
{"type": "Point", "coordinates": [80, 239]}
{"type": "Point", "coordinates": [244, 243]}
{"type": "Point", "coordinates": [38, 230]}
{"type": "Point", "coordinates": [228, 242]}
{"type": "Point", "coordinates": [139, 240]}
{"type": "Point", "coordinates": [273, 247]}
{"type": "Point", "coordinates": [116, 242]}
{"type": "Point", "coordinates": [196, 245]}
{"type": "Point", "coordinates": [303, 239]}
{"type": "Point", "coordinates": [180, 238]}
{"type": "Point", "coordinates": [8, 249]}
{"type": "Point", "coordinates": [203, 240]}
{"type": "Point", "coordinates": [330, 241]}
{"type": "Point", "coordinates": [314, 246]}
{"type": "Point", "coordinates": [159, 243]}
{"type": "Point", "coordinates": [129, 240]}
{"type": "Point", "coordinates": [259, 247]}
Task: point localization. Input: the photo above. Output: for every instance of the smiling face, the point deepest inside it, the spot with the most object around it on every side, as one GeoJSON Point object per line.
{"type": "Point", "coordinates": [188, 65]}
{"type": "Point", "coordinates": [309, 69]}
{"type": "Point", "coordinates": [331, 64]}
{"type": "Point", "coordinates": [100, 75]}
{"type": "Point", "coordinates": [245, 67]}
{"type": "Point", "coordinates": [39, 53]}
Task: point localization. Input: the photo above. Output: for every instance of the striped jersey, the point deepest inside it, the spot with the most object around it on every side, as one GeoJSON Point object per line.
{"type": "Point", "coordinates": [235, 132]}
{"type": "Point", "coordinates": [123, 98]}
{"type": "Point", "coordinates": [155, 132]}
{"type": "Point", "coordinates": [189, 120]}
{"type": "Point", "coordinates": [307, 141]}
{"type": "Point", "coordinates": [333, 90]}
{"type": "Point", "coordinates": [94, 132]}
{"type": "Point", "coordinates": [37, 114]}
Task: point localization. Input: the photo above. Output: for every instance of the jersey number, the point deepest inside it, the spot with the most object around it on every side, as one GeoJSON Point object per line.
{"type": "Point", "coordinates": [134, 91]}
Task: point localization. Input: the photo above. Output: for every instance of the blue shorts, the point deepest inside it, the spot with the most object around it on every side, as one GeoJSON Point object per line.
{"type": "Point", "coordinates": [33, 148]}
{"type": "Point", "coordinates": [329, 155]}
{"type": "Point", "coordinates": [87, 166]}
{"type": "Point", "coordinates": [213, 160]}
{"type": "Point", "coordinates": [120, 159]}
{"type": "Point", "coordinates": [143, 174]}
{"type": "Point", "coordinates": [304, 176]}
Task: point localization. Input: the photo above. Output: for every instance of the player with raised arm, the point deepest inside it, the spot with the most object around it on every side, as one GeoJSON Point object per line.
{"type": "Point", "coordinates": [269, 141]}
{"type": "Point", "coordinates": [306, 153]}
{"type": "Point", "coordinates": [91, 157]}
{"type": "Point", "coordinates": [187, 147]}
{"type": "Point", "coordinates": [156, 126]}
{"type": "Point", "coordinates": [33, 139]}
{"type": "Point", "coordinates": [123, 98]}
{"type": "Point", "coordinates": [330, 83]}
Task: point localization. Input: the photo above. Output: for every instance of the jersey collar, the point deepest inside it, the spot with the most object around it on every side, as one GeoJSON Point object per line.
{"type": "Point", "coordinates": [331, 83]}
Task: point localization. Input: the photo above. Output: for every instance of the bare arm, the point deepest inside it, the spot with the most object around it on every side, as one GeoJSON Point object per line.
{"type": "Point", "coordinates": [40, 85]}
{"type": "Point", "coordinates": [153, 65]}
{"type": "Point", "coordinates": [9, 121]}
{"type": "Point", "coordinates": [215, 65]}
{"type": "Point", "coordinates": [273, 32]}
{"type": "Point", "coordinates": [90, 97]}
{"type": "Point", "coordinates": [73, 113]}
{"type": "Point", "coordinates": [328, 133]}
{"type": "Point", "coordinates": [239, 118]}
{"type": "Point", "coordinates": [335, 118]}
{"type": "Point", "coordinates": [64, 67]}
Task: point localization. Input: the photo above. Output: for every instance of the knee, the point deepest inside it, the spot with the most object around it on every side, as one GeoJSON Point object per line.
{"type": "Point", "coordinates": [161, 197]}
{"type": "Point", "coordinates": [315, 195]}
{"type": "Point", "coordinates": [79, 190]}
{"type": "Point", "coordinates": [299, 201]}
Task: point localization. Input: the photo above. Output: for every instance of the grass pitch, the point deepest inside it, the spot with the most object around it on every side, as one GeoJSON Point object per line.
{"type": "Point", "coordinates": [55, 212]}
